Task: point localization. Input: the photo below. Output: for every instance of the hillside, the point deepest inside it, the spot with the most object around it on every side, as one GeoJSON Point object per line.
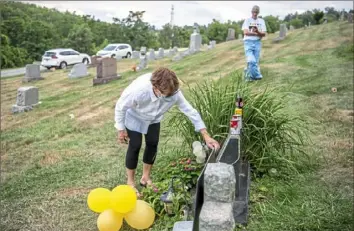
{"type": "Point", "coordinates": [50, 162]}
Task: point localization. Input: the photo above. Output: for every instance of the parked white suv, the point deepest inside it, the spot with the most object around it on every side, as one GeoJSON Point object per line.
{"type": "Point", "coordinates": [116, 50]}
{"type": "Point", "coordinates": [62, 58]}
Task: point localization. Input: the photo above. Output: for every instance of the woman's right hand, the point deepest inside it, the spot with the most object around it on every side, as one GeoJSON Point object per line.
{"type": "Point", "coordinates": [123, 137]}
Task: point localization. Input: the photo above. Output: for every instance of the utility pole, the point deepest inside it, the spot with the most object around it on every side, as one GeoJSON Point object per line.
{"type": "Point", "coordinates": [171, 25]}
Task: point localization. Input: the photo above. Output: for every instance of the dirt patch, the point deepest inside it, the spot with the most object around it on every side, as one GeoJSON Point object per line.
{"type": "Point", "coordinates": [50, 159]}
{"type": "Point", "coordinates": [93, 114]}
{"type": "Point", "coordinates": [342, 115]}
{"type": "Point", "coordinates": [72, 192]}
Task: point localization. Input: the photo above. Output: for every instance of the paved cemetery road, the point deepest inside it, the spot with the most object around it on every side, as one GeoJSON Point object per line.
{"type": "Point", "coordinates": [16, 72]}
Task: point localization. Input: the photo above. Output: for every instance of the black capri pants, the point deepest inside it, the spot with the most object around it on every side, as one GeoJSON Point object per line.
{"type": "Point", "coordinates": [135, 141]}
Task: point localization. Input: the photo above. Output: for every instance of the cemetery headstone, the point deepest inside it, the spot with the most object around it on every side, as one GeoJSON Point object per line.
{"type": "Point", "coordinates": [219, 196]}
{"type": "Point", "coordinates": [135, 55]}
{"type": "Point", "coordinates": [106, 71]}
{"type": "Point", "coordinates": [175, 50]}
{"type": "Point", "coordinates": [230, 34]}
{"type": "Point", "coordinates": [143, 60]}
{"type": "Point", "coordinates": [240, 37]}
{"type": "Point", "coordinates": [325, 21]}
{"type": "Point", "coordinates": [342, 16]}
{"type": "Point", "coordinates": [27, 98]}
{"type": "Point", "coordinates": [161, 53]}
{"type": "Point", "coordinates": [178, 57]}
{"type": "Point", "coordinates": [350, 18]}
{"type": "Point", "coordinates": [94, 60]}
{"type": "Point", "coordinates": [292, 27]}
{"type": "Point", "coordinates": [79, 70]}
{"type": "Point", "coordinates": [33, 73]}
{"type": "Point", "coordinates": [186, 53]}
{"type": "Point", "coordinates": [282, 33]}
{"type": "Point", "coordinates": [195, 40]}
{"type": "Point", "coordinates": [151, 54]}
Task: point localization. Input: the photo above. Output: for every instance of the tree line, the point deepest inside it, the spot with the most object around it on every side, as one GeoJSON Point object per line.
{"type": "Point", "coordinates": [28, 30]}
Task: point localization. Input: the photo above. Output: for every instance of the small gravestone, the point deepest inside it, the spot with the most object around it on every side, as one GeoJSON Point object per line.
{"type": "Point", "coordinates": [230, 34]}
{"type": "Point", "coordinates": [106, 71]}
{"type": "Point", "coordinates": [175, 50]}
{"type": "Point", "coordinates": [186, 53]}
{"type": "Point", "coordinates": [325, 21]}
{"type": "Point", "coordinates": [212, 44]}
{"type": "Point", "coordinates": [282, 33]}
{"type": "Point", "coordinates": [27, 98]}
{"type": "Point", "coordinates": [161, 53]}
{"type": "Point", "coordinates": [291, 27]}
{"type": "Point", "coordinates": [342, 16]}
{"type": "Point", "coordinates": [33, 73]}
{"type": "Point", "coordinates": [143, 60]}
{"type": "Point", "coordinates": [309, 24]}
{"type": "Point", "coordinates": [350, 18]}
{"type": "Point", "coordinates": [151, 54]}
{"type": "Point", "coordinates": [219, 197]}
{"type": "Point", "coordinates": [178, 57]}
{"type": "Point", "coordinates": [240, 37]}
{"type": "Point", "coordinates": [79, 70]}
{"type": "Point", "coordinates": [94, 60]}
{"type": "Point", "coordinates": [135, 55]}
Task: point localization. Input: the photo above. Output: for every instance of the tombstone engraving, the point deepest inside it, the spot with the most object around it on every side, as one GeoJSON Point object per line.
{"type": "Point", "coordinates": [230, 34]}
{"type": "Point", "coordinates": [151, 54]}
{"type": "Point", "coordinates": [79, 70]}
{"type": "Point", "coordinates": [106, 71]}
{"type": "Point", "coordinates": [33, 73]}
{"type": "Point", "coordinates": [135, 55]}
{"type": "Point", "coordinates": [161, 53]}
{"type": "Point", "coordinates": [27, 98]}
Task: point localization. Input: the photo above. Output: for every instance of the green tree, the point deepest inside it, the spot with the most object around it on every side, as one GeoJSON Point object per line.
{"type": "Point", "coordinates": [80, 38]}
{"type": "Point", "coordinates": [217, 31]}
{"type": "Point", "coordinates": [318, 15]}
{"type": "Point", "coordinates": [272, 23]}
{"type": "Point", "coordinates": [297, 23]}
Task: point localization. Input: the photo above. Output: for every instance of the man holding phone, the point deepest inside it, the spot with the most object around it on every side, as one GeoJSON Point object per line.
{"type": "Point", "coordinates": [254, 29]}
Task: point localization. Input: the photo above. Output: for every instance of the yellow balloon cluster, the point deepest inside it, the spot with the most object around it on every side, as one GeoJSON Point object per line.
{"type": "Point", "coordinates": [117, 204]}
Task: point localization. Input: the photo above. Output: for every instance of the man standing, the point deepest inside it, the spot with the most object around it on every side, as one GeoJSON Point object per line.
{"type": "Point", "coordinates": [254, 29]}
{"type": "Point", "coordinates": [139, 111]}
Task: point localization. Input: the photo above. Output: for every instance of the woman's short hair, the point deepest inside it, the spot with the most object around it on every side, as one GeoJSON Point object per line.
{"type": "Point", "coordinates": [165, 80]}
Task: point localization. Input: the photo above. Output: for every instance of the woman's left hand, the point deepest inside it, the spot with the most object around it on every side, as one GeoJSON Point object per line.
{"type": "Point", "coordinates": [211, 143]}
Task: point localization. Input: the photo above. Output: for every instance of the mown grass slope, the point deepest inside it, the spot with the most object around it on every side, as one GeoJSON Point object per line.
{"type": "Point", "coordinates": [49, 162]}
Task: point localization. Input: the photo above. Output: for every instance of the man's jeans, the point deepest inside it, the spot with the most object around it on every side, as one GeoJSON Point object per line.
{"type": "Point", "coordinates": [252, 51]}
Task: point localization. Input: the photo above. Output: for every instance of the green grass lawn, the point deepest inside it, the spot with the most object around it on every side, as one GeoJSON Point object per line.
{"type": "Point", "coordinates": [50, 162]}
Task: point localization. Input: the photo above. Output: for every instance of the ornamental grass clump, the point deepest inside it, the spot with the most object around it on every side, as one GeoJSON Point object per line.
{"type": "Point", "coordinates": [271, 135]}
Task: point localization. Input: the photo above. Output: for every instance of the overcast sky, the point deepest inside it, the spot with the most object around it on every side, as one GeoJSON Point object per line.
{"type": "Point", "coordinates": [158, 13]}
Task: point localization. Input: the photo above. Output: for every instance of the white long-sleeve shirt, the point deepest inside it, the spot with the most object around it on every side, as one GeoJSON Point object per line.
{"type": "Point", "coordinates": [138, 107]}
